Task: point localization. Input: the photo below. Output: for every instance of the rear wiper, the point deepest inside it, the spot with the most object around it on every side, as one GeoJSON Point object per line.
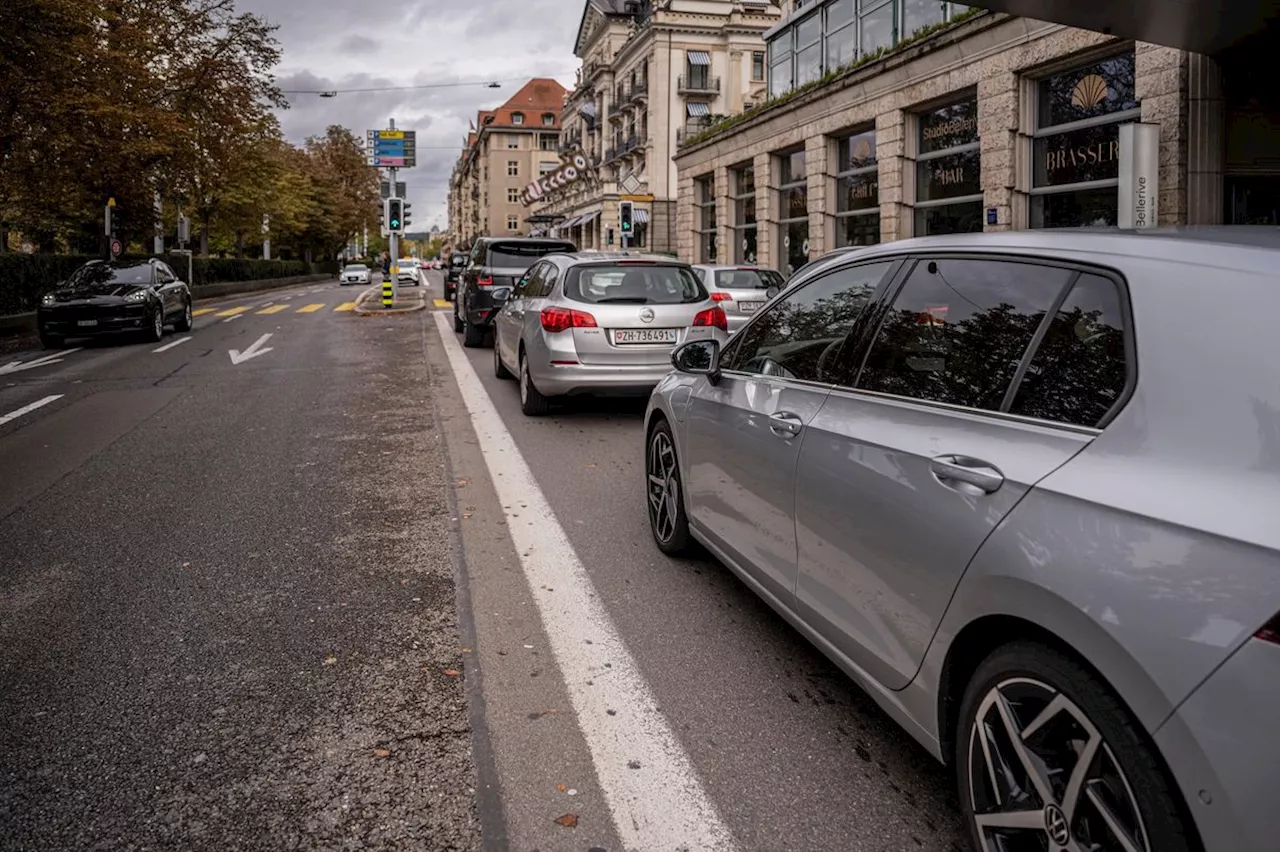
{"type": "Point", "coordinates": [622, 300]}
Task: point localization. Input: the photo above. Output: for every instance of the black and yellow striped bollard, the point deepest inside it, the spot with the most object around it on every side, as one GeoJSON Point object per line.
{"type": "Point", "coordinates": [388, 295]}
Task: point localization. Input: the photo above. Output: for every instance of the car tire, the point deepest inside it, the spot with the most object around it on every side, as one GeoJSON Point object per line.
{"type": "Point", "coordinates": [668, 522]}
{"type": "Point", "coordinates": [187, 320]}
{"type": "Point", "coordinates": [532, 402]}
{"type": "Point", "coordinates": [472, 337]}
{"type": "Point", "coordinates": [499, 369]}
{"type": "Point", "coordinates": [458, 325]}
{"type": "Point", "coordinates": [1008, 691]}
{"type": "Point", "coordinates": [51, 341]}
{"type": "Point", "coordinates": [155, 330]}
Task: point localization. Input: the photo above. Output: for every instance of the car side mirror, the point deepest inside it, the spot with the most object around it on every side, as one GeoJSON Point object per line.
{"type": "Point", "coordinates": [698, 358]}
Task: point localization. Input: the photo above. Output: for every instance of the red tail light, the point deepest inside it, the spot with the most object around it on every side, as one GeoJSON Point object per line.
{"type": "Point", "coordinates": [485, 281]}
{"type": "Point", "coordinates": [1270, 632]}
{"type": "Point", "coordinates": [719, 296]}
{"type": "Point", "coordinates": [714, 317]}
{"type": "Point", "coordinates": [556, 320]}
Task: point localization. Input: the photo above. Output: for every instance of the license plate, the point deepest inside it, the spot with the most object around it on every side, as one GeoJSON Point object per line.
{"type": "Point", "coordinates": [749, 307]}
{"type": "Point", "coordinates": [644, 335]}
{"type": "Point", "coordinates": [87, 323]}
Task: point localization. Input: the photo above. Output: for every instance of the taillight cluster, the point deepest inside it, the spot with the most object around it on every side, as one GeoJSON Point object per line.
{"type": "Point", "coordinates": [714, 317]}
{"type": "Point", "coordinates": [1270, 632]}
{"type": "Point", "coordinates": [721, 296]}
{"type": "Point", "coordinates": [484, 281]}
{"type": "Point", "coordinates": [562, 319]}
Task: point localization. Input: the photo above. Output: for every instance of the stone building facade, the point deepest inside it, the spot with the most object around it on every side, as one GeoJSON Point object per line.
{"type": "Point", "coordinates": [989, 122]}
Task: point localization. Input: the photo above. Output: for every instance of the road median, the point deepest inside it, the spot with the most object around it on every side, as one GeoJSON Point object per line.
{"type": "Point", "coordinates": [369, 302]}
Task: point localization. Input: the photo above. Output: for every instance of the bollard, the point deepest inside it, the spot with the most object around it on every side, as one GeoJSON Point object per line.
{"type": "Point", "coordinates": [388, 296]}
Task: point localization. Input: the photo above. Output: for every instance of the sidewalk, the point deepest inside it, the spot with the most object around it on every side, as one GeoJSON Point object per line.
{"type": "Point", "coordinates": [408, 300]}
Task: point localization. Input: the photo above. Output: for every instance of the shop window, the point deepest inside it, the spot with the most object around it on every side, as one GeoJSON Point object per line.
{"type": "Point", "coordinates": [808, 49]}
{"type": "Point", "coordinates": [842, 33]}
{"type": "Point", "coordinates": [857, 190]}
{"type": "Point", "coordinates": [704, 189]}
{"type": "Point", "coordinates": [949, 170]}
{"type": "Point", "coordinates": [793, 212]}
{"type": "Point", "coordinates": [1076, 146]}
{"type": "Point", "coordinates": [745, 226]}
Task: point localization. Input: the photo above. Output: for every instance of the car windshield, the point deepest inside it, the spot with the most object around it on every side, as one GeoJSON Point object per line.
{"type": "Point", "coordinates": [634, 284]}
{"type": "Point", "coordinates": [356, 267]}
{"type": "Point", "coordinates": [522, 255]}
{"type": "Point", "coordinates": [747, 279]}
{"type": "Point", "coordinates": [106, 273]}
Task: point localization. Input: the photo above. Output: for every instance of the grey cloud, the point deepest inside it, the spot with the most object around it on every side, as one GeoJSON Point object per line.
{"type": "Point", "coordinates": [357, 44]}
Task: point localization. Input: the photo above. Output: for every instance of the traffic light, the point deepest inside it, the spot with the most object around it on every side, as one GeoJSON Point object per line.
{"type": "Point", "coordinates": [395, 215]}
{"type": "Point", "coordinates": [624, 217]}
{"type": "Point", "coordinates": [408, 217]}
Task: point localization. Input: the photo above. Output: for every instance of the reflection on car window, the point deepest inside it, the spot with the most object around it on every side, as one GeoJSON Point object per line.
{"type": "Point", "coordinates": [101, 273]}
{"type": "Point", "coordinates": [1078, 371]}
{"type": "Point", "coordinates": [634, 285]}
{"type": "Point", "coordinates": [958, 329]}
{"type": "Point", "coordinates": [799, 336]}
{"type": "Point", "coordinates": [747, 279]}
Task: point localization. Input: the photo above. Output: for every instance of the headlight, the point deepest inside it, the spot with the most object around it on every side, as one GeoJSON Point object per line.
{"type": "Point", "coordinates": [136, 296]}
{"type": "Point", "coordinates": [48, 299]}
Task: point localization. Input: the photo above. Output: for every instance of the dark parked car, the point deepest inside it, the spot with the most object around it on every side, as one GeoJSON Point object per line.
{"type": "Point", "coordinates": [105, 298]}
{"type": "Point", "coordinates": [457, 262]}
{"type": "Point", "coordinates": [495, 266]}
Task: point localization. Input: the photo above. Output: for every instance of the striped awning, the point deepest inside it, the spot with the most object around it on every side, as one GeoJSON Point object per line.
{"type": "Point", "coordinates": [590, 217]}
{"type": "Point", "coordinates": [640, 216]}
{"type": "Point", "coordinates": [699, 57]}
{"type": "Point", "coordinates": [697, 109]}
{"type": "Point", "coordinates": [569, 223]}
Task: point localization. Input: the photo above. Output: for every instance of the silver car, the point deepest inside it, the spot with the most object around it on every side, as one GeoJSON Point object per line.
{"type": "Point", "coordinates": [354, 273]}
{"type": "Point", "coordinates": [740, 290]}
{"type": "Point", "coordinates": [1023, 488]}
{"type": "Point", "coordinates": [599, 323]}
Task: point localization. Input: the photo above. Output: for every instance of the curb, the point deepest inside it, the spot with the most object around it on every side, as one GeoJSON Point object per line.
{"type": "Point", "coordinates": [363, 309]}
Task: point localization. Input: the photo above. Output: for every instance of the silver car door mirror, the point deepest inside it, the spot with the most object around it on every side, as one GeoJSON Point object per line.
{"type": "Point", "coordinates": [698, 358]}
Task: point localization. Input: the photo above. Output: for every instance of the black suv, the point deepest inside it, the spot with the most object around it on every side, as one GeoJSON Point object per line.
{"type": "Point", "coordinates": [496, 264]}
{"type": "Point", "coordinates": [453, 270]}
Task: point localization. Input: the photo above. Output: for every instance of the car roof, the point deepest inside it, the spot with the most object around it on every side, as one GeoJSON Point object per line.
{"type": "Point", "coordinates": [531, 240]}
{"type": "Point", "coordinates": [734, 266]}
{"type": "Point", "coordinates": [592, 256]}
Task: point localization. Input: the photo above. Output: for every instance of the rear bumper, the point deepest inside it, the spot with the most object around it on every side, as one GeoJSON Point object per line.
{"type": "Point", "coordinates": [571, 379]}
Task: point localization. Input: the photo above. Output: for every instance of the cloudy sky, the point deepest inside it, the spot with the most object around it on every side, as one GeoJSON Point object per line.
{"type": "Point", "coordinates": [361, 44]}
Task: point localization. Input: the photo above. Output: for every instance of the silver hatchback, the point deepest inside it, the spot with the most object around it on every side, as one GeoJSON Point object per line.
{"type": "Point", "coordinates": [599, 323]}
{"type": "Point", "coordinates": [740, 290]}
{"type": "Point", "coordinates": [1023, 488]}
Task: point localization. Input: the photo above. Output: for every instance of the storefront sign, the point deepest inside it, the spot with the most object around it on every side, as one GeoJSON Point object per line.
{"type": "Point", "coordinates": [574, 169]}
{"type": "Point", "coordinates": [949, 176]}
{"type": "Point", "coordinates": [1139, 176]}
{"type": "Point", "coordinates": [949, 126]}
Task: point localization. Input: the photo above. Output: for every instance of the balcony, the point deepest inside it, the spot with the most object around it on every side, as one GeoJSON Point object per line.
{"type": "Point", "coordinates": [690, 130]}
{"type": "Point", "coordinates": [639, 91]}
{"type": "Point", "coordinates": [616, 109]}
{"type": "Point", "coordinates": [698, 84]}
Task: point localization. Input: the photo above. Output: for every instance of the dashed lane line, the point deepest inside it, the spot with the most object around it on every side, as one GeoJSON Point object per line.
{"type": "Point", "coordinates": [168, 346]}
{"type": "Point", "coordinates": [27, 409]}
{"type": "Point", "coordinates": [649, 782]}
{"type": "Point", "coordinates": [346, 306]}
{"type": "Point", "coordinates": [231, 312]}
{"type": "Point", "coordinates": [311, 309]}
{"type": "Point", "coordinates": [199, 312]}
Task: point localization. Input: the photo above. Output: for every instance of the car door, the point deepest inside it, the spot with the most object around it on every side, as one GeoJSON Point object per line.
{"type": "Point", "coordinates": [510, 320]}
{"type": "Point", "coordinates": [913, 459]}
{"type": "Point", "coordinates": [171, 290]}
{"type": "Point", "coordinates": [744, 433]}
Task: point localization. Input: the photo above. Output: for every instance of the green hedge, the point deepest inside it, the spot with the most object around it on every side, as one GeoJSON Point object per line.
{"type": "Point", "coordinates": [24, 278]}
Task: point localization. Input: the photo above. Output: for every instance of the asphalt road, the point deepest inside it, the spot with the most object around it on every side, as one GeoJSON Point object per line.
{"type": "Point", "coordinates": [227, 597]}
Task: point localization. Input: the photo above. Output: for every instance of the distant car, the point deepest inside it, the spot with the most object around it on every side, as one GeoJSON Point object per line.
{"type": "Point", "coordinates": [457, 262]}
{"type": "Point", "coordinates": [495, 265]}
{"type": "Point", "coordinates": [106, 298]}
{"type": "Point", "coordinates": [408, 273]}
{"type": "Point", "coordinates": [354, 273]}
{"type": "Point", "coordinates": [740, 290]}
{"type": "Point", "coordinates": [595, 323]}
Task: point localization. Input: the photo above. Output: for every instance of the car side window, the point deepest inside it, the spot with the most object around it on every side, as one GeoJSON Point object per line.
{"type": "Point", "coordinates": [548, 283]}
{"type": "Point", "coordinates": [530, 282]}
{"type": "Point", "coordinates": [959, 328]}
{"type": "Point", "coordinates": [800, 335]}
{"type": "Point", "coordinates": [1081, 367]}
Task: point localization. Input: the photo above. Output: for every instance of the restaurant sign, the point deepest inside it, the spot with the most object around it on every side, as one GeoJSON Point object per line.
{"type": "Point", "coordinates": [574, 169]}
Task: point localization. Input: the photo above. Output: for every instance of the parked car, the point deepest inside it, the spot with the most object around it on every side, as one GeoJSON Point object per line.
{"type": "Point", "coordinates": [354, 273]}
{"type": "Point", "coordinates": [595, 323]}
{"type": "Point", "coordinates": [457, 262]}
{"type": "Point", "coordinates": [1022, 488]}
{"type": "Point", "coordinates": [105, 298]}
{"type": "Point", "coordinates": [495, 265]}
{"type": "Point", "coordinates": [740, 290]}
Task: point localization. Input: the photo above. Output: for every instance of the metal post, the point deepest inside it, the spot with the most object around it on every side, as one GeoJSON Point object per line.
{"type": "Point", "coordinates": [159, 234]}
{"type": "Point", "coordinates": [393, 239]}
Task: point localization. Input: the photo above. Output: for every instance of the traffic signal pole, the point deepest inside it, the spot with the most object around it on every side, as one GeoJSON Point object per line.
{"type": "Point", "coordinates": [393, 240]}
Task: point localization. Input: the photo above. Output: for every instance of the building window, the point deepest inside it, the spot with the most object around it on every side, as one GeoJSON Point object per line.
{"type": "Point", "coordinates": [513, 196]}
{"type": "Point", "coordinates": [757, 66]}
{"type": "Point", "coordinates": [743, 186]}
{"type": "Point", "coordinates": [704, 194]}
{"type": "Point", "coordinates": [793, 212]}
{"type": "Point", "coordinates": [918, 14]}
{"type": "Point", "coordinates": [857, 190]}
{"type": "Point", "coordinates": [513, 223]}
{"type": "Point", "coordinates": [513, 168]}
{"type": "Point", "coordinates": [948, 171]}
{"type": "Point", "coordinates": [779, 65]}
{"type": "Point", "coordinates": [698, 69]}
{"type": "Point", "coordinates": [547, 168]}
{"type": "Point", "coordinates": [842, 33]}
{"type": "Point", "coordinates": [513, 140]}
{"type": "Point", "coordinates": [548, 142]}
{"type": "Point", "coordinates": [876, 28]}
{"type": "Point", "coordinates": [548, 119]}
{"type": "Point", "coordinates": [808, 49]}
{"type": "Point", "coordinates": [517, 118]}
{"type": "Point", "coordinates": [1075, 151]}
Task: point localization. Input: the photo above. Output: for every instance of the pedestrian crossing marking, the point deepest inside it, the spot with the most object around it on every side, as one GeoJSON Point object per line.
{"type": "Point", "coordinates": [346, 306]}
{"type": "Point", "coordinates": [443, 303]}
{"type": "Point", "coordinates": [202, 311]}
{"type": "Point", "coordinates": [311, 309]}
{"type": "Point", "coordinates": [231, 312]}
{"type": "Point", "coordinates": [274, 309]}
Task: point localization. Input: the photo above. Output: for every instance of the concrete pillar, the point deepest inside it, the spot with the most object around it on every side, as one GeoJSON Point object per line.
{"type": "Point", "coordinates": [1206, 141]}
{"type": "Point", "coordinates": [821, 201]}
{"type": "Point", "coordinates": [998, 132]}
{"type": "Point", "coordinates": [1161, 83]}
{"type": "Point", "coordinates": [766, 213]}
{"type": "Point", "coordinates": [895, 211]}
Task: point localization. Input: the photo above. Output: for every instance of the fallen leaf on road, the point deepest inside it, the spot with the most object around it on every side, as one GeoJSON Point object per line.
{"type": "Point", "coordinates": [330, 660]}
{"type": "Point", "coordinates": [381, 752]}
{"type": "Point", "coordinates": [466, 650]}
{"type": "Point", "coordinates": [561, 787]}
{"type": "Point", "coordinates": [462, 483]}
{"type": "Point", "coordinates": [451, 672]}
{"type": "Point", "coordinates": [589, 465]}
{"type": "Point", "coordinates": [568, 820]}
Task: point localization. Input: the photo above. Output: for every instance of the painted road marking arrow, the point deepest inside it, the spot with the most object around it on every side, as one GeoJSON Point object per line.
{"type": "Point", "coordinates": [238, 357]}
{"type": "Point", "coordinates": [42, 361]}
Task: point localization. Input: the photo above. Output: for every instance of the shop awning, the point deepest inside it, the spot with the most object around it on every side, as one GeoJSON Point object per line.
{"type": "Point", "coordinates": [569, 223]}
{"type": "Point", "coordinates": [699, 57]}
{"type": "Point", "coordinates": [697, 109]}
{"type": "Point", "coordinates": [640, 216]}
{"type": "Point", "coordinates": [590, 217]}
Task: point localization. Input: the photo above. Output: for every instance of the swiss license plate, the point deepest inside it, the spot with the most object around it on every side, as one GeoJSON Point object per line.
{"type": "Point", "coordinates": [644, 335]}
{"type": "Point", "coordinates": [749, 307]}
{"type": "Point", "coordinates": [87, 323]}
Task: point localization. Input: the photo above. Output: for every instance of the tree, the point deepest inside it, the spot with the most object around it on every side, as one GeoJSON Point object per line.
{"type": "Point", "coordinates": [344, 188]}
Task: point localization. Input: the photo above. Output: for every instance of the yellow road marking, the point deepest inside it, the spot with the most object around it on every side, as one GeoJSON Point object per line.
{"type": "Point", "coordinates": [311, 309]}
{"type": "Point", "coordinates": [346, 306]}
{"type": "Point", "coordinates": [202, 311]}
{"type": "Point", "coordinates": [443, 303]}
{"type": "Point", "coordinates": [274, 309]}
{"type": "Point", "coordinates": [231, 312]}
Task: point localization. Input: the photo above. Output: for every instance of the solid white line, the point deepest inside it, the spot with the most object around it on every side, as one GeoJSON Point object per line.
{"type": "Point", "coordinates": [27, 409]}
{"type": "Point", "coordinates": [661, 804]}
{"type": "Point", "coordinates": [169, 346]}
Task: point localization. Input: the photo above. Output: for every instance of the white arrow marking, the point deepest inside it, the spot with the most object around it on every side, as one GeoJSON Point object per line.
{"type": "Point", "coordinates": [27, 409]}
{"type": "Point", "coordinates": [169, 346]}
{"type": "Point", "coordinates": [42, 361]}
{"type": "Point", "coordinates": [238, 357]}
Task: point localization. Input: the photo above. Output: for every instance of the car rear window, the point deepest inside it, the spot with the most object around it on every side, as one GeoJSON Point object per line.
{"type": "Point", "coordinates": [747, 279]}
{"type": "Point", "coordinates": [356, 267]}
{"type": "Point", "coordinates": [524, 254]}
{"type": "Point", "coordinates": [634, 284]}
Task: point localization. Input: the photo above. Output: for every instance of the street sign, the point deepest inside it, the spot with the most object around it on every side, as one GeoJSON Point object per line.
{"type": "Point", "coordinates": [117, 248]}
{"type": "Point", "coordinates": [397, 149]}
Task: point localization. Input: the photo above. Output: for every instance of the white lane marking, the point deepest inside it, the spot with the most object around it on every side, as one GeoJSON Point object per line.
{"type": "Point", "coordinates": [42, 361]}
{"type": "Point", "coordinates": [169, 346]}
{"type": "Point", "coordinates": [233, 318]}
{"type": "Point", "coordinates": [27, 409]}
{"type": "Point", "coordinates": [660, 804]}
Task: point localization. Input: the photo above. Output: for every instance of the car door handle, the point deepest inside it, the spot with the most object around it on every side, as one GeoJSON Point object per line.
{"type": "Point", "coordinates": [784, 424]}
{"type": "Point", "coordinates": [970, 471]}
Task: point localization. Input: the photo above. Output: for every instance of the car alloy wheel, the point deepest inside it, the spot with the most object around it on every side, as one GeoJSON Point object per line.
{"type": "Point", "coordinates": [1041, 777]}
{"type": "Point", "coordinates": [157, 324]}
{"type": "Point", "coordinates": [663, 485]}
